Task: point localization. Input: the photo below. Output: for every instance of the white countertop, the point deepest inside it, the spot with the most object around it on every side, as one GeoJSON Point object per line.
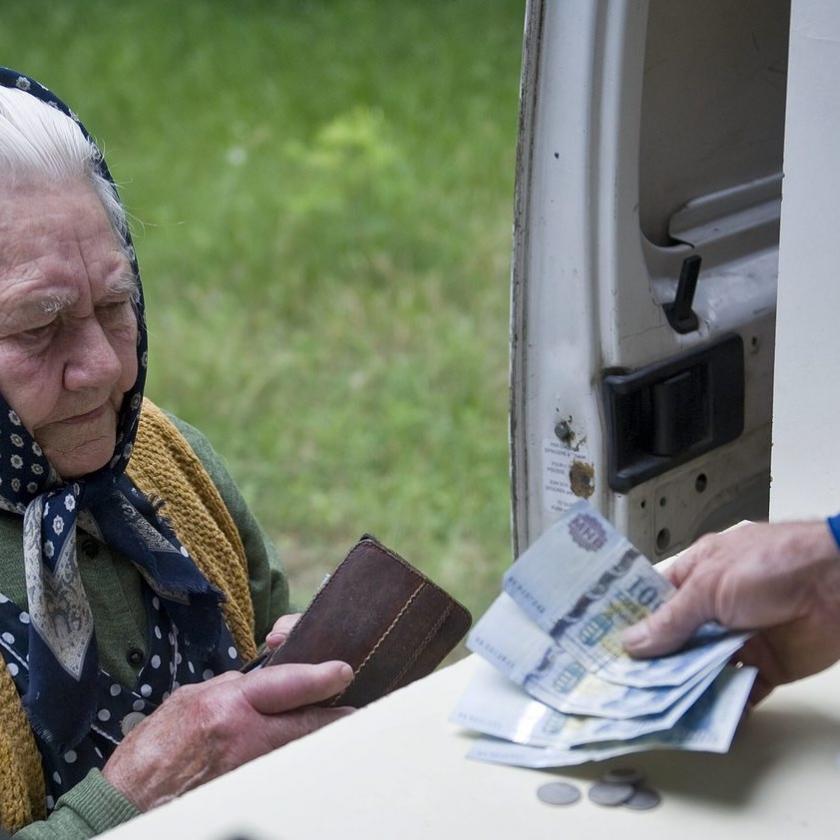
{"type": "Point", "coordinates": [397, 769]}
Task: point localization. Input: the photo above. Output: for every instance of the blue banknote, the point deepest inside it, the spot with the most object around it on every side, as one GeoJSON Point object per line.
{"type": "Point", "coordinates": [708, 726]}
{"type": "Point", "coordinates": [495, 706]}
{"type": "Point", "coordinates": [583, 583]}
{"type": "Point", "coordinates": [506, 638]}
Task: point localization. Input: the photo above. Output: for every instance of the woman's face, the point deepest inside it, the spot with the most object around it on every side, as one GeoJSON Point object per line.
{"type": "Point", "coordinates": [68, 330]}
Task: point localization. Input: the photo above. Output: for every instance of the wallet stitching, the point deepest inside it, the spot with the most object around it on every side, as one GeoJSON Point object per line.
{"type": "Point", "coordinates": [384, 635]}
{"type": "Point", "coordinates": [421, 647]}
{"type": "Point", "coordinates": [307, 619]}
{"type": "Point", "coordinates": [409, 568]}
{"type": "Point", "coordinates": [417, 575]}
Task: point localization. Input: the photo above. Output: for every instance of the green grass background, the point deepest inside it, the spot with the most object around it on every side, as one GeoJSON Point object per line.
{"type": "Point", "coordinates": [322, 202]}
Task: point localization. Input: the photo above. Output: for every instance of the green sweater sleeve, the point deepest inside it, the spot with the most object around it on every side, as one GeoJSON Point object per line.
{"type": "Point", "coordinates": [88, 809]}
{"type": "Point", "coordinates": [269, 588]}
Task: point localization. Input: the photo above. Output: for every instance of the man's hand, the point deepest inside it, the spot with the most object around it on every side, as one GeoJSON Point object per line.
{"type": "Point", "coordinates": [782, 579]}
{"type": "Point", "coordinates": [207, 729]}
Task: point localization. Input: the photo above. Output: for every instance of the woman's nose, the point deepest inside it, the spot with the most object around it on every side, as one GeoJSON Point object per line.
{"type": "Point", "coordinates": [92, 362]}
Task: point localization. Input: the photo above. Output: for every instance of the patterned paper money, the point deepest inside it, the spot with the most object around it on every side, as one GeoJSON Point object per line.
{"type": "Point", "coordinates": [495, 706]}
{"type": "Point", "coordinates": [709, 726]}
{"type": "Point", "coordinates": [584, 583]}
{"type": "Point", "coordinates": [528, 656]}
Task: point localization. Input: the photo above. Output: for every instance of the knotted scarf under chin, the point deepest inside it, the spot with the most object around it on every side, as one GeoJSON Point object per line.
{"type": "Point", "coordinates": [63, 660]}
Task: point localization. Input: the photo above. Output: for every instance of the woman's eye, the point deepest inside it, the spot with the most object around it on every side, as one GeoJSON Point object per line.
{"type": "Point", "coordinates": [111, 313]}
{"type": "Point", "coordinates": [38, 333]}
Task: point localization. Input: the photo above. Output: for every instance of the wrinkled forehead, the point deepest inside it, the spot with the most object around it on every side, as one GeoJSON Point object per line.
{"type": "Point", "coordinates": [56, 243]}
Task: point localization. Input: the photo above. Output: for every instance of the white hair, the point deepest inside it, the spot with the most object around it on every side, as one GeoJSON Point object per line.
{"type": "Point", "coordinates": [40, 143]}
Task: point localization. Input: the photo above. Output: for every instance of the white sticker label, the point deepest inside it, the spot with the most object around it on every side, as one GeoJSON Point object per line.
{"type": "Point", "coordinates": [568, 475]}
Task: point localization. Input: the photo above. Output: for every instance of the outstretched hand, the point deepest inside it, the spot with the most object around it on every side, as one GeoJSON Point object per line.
{"type": "Point", "coordinates": [782, 579]}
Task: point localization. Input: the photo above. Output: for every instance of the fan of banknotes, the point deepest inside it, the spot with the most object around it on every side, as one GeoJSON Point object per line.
{"type": "Point", "coordinates": [561, 690]}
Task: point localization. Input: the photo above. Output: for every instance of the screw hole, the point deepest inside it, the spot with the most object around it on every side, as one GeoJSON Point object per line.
{"type": "Point", "coordinates": [663, 501]}
{"type": "Point", "coordinates": [701, 482]}
{"type": "Point", "coordinates": [564, 432]}
{"type": "Point", "coordinates": [642, 504]}
{"type": "Point", "coordinates": [663, 539]}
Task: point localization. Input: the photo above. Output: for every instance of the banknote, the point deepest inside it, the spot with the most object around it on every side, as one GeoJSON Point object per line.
{"type": "Point", "coordinates": [708, 726]}
{"type": "Point", "coordinates": [495, 706]}
{"type": "Point", "coordinates": [507, 639]}
{"type": "Point", "coordinates": [584, 583]}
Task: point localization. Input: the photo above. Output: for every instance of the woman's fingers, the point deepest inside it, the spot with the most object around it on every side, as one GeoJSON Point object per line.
{"type": "Point", "coordinates": [282, 688]}
{"type": "Point", "coordinates": [282, 627]}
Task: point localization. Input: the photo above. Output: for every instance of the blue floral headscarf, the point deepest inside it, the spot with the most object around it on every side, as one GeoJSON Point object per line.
{"type": "Point", "coordinates": [63, 660]}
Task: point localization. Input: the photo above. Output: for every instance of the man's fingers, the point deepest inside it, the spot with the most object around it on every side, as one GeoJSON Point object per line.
{"type": "Point", "coordinates": [683, 565]}
{"type": "Point", "coordinates": [670, 627]}
{"type": "Point", "coordinates": [760, 690]}
{"type": "Point", "coordinates": [759, 654]}
{"type": "Point", "coordinates": [281, 688]}
{"type": "Point", "coordinates": [282, 627]}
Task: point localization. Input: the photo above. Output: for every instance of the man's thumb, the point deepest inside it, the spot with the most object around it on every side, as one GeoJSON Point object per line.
{"type": "Point", "coordinates": [667, 629]}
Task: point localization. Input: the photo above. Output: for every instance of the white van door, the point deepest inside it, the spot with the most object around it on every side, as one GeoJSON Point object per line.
{"type": "Point", "coordinates": [648, 198]}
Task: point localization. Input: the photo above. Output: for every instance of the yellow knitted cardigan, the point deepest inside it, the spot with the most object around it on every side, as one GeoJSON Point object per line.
{"type": "Point", "coordinates": [164, 467]}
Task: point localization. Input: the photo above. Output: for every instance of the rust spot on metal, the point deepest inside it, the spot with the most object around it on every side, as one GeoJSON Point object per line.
{"type": "Point", "coordinates": [582, 479]}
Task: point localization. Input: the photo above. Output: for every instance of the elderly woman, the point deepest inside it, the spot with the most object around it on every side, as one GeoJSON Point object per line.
{"type": "Point", "coordinates": [130, 565]}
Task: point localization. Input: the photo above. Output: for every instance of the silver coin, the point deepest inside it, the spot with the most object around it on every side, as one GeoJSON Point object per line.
{"type": "Point", "coordinates": [643, 799]}
{"type": "Point", "coordinates": [623, 775]}
{"type": "Point", "coordinates": [604, 793]}
{"type": "Point", "coordinates": [558, 793]}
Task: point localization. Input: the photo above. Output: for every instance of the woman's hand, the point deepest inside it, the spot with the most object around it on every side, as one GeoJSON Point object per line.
{"type": "Point", "coordinates": [782, 579]}
{"type": "Point", "coordinates": [280, 632]}
{"type": "Point", "coordinates": [210, 728]}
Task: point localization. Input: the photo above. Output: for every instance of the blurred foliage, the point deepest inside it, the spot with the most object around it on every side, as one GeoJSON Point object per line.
{"type": "Point", "coordinates": [322, 202]}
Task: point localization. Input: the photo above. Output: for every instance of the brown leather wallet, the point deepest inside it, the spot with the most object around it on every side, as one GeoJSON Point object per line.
{"type": "Point", "coordinates": [380, 615]}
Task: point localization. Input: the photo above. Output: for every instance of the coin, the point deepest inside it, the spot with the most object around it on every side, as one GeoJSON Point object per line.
{"type": "Point", "coordinates": [604, 793]}
{"type": "Point", "coordinates": [558, 793]}
{"type": "Point", "coordinates": [643, 799]}
{"type": "Point", "coordinates": [623, 775]}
